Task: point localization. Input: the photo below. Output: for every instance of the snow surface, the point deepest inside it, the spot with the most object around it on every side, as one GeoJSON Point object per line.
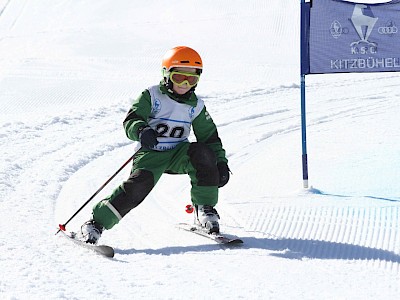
{"type": "Point", "coordinates": [68, 70]}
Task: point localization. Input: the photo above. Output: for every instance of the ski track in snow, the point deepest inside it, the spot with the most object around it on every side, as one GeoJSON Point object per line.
{"type": "Point", "coordinates": [329, 233]}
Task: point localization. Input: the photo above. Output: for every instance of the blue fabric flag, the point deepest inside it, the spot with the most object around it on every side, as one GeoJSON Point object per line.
{"type": "Point", "coordinates": [348, 37]}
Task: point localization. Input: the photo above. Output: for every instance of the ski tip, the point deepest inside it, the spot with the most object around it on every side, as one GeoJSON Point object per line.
{"type": "Point", "coordinates": [112, 253]}
{"type": "Point", "coordinates": [236, 242]}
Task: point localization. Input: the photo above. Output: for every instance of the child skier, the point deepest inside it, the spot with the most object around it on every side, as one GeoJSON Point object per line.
{"type": "Point", "coordinates": [161, 119]}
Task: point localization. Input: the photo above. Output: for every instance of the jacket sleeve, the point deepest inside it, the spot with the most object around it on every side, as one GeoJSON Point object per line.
{"type": "Point", "coordinates": [137, 116]}
{"type": "Point", "coordinates": [205, 131]}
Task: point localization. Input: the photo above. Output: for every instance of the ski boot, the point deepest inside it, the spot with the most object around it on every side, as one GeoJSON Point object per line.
{"type": "Point", "coordinates": [90, 232]}
{"type": "Point", "coordinates": [207, 216]}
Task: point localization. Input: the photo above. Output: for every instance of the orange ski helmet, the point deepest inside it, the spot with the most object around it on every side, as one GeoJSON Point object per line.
{"type": "Point", "coordinates": [182, 56]}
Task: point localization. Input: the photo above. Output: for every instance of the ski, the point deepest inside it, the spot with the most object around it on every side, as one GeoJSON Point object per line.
{"type": "Point", "coordinates": [104, 250]}
{"type": "Point", "coordinates": [218, 238]}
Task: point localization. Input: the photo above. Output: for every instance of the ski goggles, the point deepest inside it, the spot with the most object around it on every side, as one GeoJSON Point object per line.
{"type": "Point", "coordinates": [180, 78]}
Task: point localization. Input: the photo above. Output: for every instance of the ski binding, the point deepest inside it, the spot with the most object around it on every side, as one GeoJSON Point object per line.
{"type": "Point", "coordinates": [216, 237]}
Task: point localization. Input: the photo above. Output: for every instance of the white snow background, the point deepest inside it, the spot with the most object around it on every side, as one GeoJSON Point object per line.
{"type": "Point", "coordinates": [68, 72]}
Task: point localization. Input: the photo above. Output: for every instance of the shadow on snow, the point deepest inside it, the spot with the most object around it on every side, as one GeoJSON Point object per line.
{"type": "Point", "coordinates": [285, 248]}
{"type": "Point", "coordinates": [315, 249]}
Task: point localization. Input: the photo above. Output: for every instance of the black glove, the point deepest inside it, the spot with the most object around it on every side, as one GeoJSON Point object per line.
{"type": "Point", "coordinates": [148, 137]}
{"type": "Point", "coordinates": [223, 173]}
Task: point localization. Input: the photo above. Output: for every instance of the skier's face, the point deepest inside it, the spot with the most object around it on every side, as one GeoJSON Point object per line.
{"type": "Point", "coordinates": [183, 88]}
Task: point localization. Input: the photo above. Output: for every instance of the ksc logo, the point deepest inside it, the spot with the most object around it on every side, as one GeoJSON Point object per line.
{"type": "Point", "coordinates": [191, 112]}
{"type": "Point", "coordinates": [156, 106]}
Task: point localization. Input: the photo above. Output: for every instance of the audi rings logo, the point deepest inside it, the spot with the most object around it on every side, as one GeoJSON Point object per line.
{"type": "Point", "coordinates": [389, 29]}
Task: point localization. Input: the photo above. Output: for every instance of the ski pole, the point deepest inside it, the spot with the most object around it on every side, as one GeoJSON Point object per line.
{"type": "Point", "coordinates": [62, 226]}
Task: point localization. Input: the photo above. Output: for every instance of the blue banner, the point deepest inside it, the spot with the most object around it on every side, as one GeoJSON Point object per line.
{"type": "Point", "coordinates": [351, 37]}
